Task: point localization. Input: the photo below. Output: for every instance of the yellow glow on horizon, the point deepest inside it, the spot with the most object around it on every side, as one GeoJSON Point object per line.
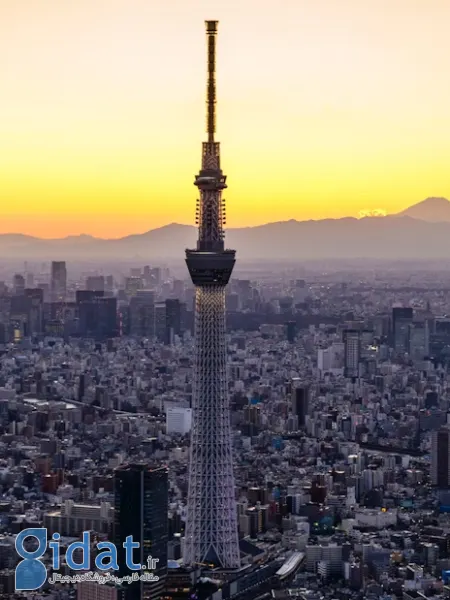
{"type": "Point", "coordinates": [324, 110]}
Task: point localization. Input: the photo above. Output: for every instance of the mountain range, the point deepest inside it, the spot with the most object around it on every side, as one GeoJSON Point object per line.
{"type": "Point", "coordinates": [421, 231]}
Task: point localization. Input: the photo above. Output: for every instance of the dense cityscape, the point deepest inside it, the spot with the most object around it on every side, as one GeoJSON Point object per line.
{"type": "Point", "coordinates": [338, 386]}
{"type": "Point", "coordinates": [269, 431]}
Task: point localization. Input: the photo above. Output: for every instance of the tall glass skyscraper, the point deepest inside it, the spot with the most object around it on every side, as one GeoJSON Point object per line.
{"type": "Point", "coordinates": [141, 510]}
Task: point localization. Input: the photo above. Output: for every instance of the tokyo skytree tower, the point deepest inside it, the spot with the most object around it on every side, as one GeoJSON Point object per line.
{"type": "Point", "coordinates": [211, 535]}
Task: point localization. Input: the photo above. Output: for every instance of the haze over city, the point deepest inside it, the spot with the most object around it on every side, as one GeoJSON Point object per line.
{"type": "Point", "coordinates": [326, 109]}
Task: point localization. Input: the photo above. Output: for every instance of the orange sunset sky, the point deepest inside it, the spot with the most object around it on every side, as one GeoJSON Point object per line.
{"type": "Point", "coordinates": [325, 108]}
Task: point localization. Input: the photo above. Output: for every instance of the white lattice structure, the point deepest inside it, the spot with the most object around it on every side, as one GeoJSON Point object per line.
{"type": "Point", "coordinates": [211, 535]}
{"type": "Point", "coordinates": [211, 530]}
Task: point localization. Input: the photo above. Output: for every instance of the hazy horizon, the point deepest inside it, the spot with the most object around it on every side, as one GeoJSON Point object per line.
{"type": "Point", "coordinates": [363, 214]}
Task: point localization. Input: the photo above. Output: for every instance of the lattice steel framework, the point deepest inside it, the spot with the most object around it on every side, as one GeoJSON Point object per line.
{"type": "Point", "coordinates": [211, 535]}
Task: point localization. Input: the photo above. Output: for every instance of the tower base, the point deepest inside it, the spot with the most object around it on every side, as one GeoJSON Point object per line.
{"type": "Point", "coordinates": [211, 537]}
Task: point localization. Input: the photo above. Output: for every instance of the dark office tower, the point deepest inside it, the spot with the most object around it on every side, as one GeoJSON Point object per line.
{"type": "Point", "coordinates": [87, 316]}
{"type": "Point", "coordinates": [318, 492]}
{"type": "Point", "coordinates": [107, 316]}
{"type": "Point", "coordinates": [440, 457]}
{"type": "Point", "coordinates": [300, 400]}
{"type": "Point", "coordinates": [36, 321]}
{"type": "Point", "coordinates": [81, 387]}
{"type": "Point", "coordinates": [36, 294]}
{"type": "Point", "coordinates": [20, 314]}
{"type": "Point", "coordinates": [291, 330]}
{"type": "Point", "coordinates": [419, 340]}
{"type": "Point", "coordinates": [431, 399]}
{"type": "Point", "coordinates": [87, 295]}
{"type": "Point", "coordinates": [18, 285]}
{"type": "Point", "coordinates": [173, 320]}
{"type": "Point", "coordinates": [245, 291]}
{"type": "Point", "coordinates": [401, 320]}
{"type": "Point", "coordinates": [95, 283]}
{"type": "Point", "coordinates": [211, 525]}
{"type": "Point", "coordinates": [58, 281]}
{"type": "Point", "coordinates": [352, 352]}
{"type": "Point", "coordinates": [97, 315]}
{"type": "Point", "coordinates": [141, 510]}
{"type": "Point", "coordinates": [160, 321]}
{"type": "Point", "coordinates": [142, 314]}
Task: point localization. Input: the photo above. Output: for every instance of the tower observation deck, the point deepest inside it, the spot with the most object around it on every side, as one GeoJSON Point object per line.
{"type": "Point", "coordinates": [211, 535]}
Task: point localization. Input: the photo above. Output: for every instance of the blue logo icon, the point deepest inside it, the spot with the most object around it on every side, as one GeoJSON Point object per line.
{"type": "Point", "coordinates": [31, 572]}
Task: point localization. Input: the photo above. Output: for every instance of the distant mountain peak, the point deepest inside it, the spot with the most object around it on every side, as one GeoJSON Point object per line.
{"type": "Point", "coordinates": [392, 236]}
{"type": "Point", "coordinates": [437, 199]}
{"type": "Point", "coordinates": [80, 236]}
{"type": "Point", "coordinates": [434, 209]}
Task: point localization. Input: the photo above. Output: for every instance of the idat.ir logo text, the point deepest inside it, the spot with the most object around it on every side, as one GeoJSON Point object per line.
{"type": "Point", "coordinates": [31, 572]}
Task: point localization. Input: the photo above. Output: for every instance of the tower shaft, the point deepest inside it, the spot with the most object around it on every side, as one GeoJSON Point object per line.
{"type": "Point", "coordinates": [211, 527]}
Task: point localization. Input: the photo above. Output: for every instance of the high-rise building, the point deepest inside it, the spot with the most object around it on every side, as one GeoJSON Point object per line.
{"type": "Point", "coordinates": [401, 320]}
{"type": "Point", "coordinates": [419, 340]}
{"type": "Point", "coordinates": [97, 315]}
{"type": "Point", "coordinates": [58, 281]}
{"type": "Point", "coordinates": [291, 331]}
{"type": "Point", "coordinates": [36, 297]}
{"type": "Point", "coordinates": [141, 511]}
{"type": "Point", "coordinates": [211, 535]}
{"type": "Point", "coordinates": [142, 314]}
{"type": "Point", "coordinates": [440, 338]}
{"type": "Point", "coordinates": [160, 321]}
{"type": "Point", "coordinates": [87, 295]}
{"type": "Point", "coordinates": [440, 457]}
{"type": "Point", "coordinates": [18, 284]}
{"type": "Point", "coordinates": [20, 316]}
{"type": "Point", "coordinates": [173, 320]}
{"type": "Point", "coordinates": [27, 310]}
{"type": "Point", "coordinates": [300, 400]}
{"type": "Point", "coordinates": [352, 352]}
{"type": "Point", "coordinates": [95, 283]}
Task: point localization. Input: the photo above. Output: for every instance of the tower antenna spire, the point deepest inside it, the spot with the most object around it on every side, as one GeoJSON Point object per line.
{"type": "Point", "coordinates": [211, 213]}
{"type": "Point", "coordinates": [211, 34]}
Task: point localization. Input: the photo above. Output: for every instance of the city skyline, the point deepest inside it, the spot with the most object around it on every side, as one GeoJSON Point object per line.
{"type": "Point", "coordinates": [324, 111]}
